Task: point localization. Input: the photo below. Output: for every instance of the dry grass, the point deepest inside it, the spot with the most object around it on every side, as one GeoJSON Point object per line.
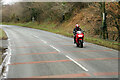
{"type": "Point", "coordinates": [3, 36]}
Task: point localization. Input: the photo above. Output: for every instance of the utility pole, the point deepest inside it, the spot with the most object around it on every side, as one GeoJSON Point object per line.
{"type": "Point", "coordinates": [104, 26]}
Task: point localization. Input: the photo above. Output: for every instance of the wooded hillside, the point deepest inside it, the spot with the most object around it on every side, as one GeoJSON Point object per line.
{"type": "Point", "coordinates": [66, 14]}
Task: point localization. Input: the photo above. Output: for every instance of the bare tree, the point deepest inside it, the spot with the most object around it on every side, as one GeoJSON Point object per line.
{"type": "Point", "coordinates": [114, 11]}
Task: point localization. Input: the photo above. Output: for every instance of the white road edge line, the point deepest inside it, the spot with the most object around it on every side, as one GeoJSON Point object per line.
{"type": "Point", "coordinates": [7, 60]}
{"type": "Point", "coordinates": [55, 48]}
{"type": "Point", "coordinates": [76, 63]}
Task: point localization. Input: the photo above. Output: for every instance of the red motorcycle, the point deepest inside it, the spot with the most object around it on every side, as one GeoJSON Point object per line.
{"type": "Point", "coordinates": [79, 39]}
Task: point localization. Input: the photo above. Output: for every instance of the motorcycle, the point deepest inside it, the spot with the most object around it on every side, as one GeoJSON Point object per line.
{"type": "Point", "coordinates": [79, 39]}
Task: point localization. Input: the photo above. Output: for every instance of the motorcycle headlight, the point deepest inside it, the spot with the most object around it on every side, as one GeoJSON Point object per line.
{"type": "Point", "coordinates": [80, 35]}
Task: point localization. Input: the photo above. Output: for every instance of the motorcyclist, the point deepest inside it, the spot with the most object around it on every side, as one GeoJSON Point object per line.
{"type": "Point", "coordinates": [77, 28]}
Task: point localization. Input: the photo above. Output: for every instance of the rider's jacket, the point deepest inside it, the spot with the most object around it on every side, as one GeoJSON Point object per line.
{"type": "Point", "coordinates": [76, 29]}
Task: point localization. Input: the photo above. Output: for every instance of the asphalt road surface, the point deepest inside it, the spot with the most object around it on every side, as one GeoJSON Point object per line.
{"type": "Point", "coordinates": [41, 54]}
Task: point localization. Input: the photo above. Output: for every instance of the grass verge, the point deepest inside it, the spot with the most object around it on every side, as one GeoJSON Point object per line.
{"type": "Point", "coordinates": [3, 36]}
{"type": "Point", "coordinates": [53, 27]}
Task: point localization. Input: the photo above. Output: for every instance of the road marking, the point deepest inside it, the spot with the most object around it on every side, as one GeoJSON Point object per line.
{"type": "Point", "coordinates": [90, 50]}
{"type": "Point", "coordinates": [41, 40]}
{"type": "Point", "coordinates": [39, 62]}
{"type": "Point", "coordinates": [36, 36]}
{"type": "Point", "coordinates": [38, 53]}
{"type": "Point", "coordinates": [78, 75]}
{"type": "Point", "coordinates": [106, 73]}
{"type": "Point", "coordinates": [31, 46]}
{"type": "Point", "coordinates": [7, 59]}
{"type": "Point", "coordinates": [64, 76]}
{"type": "Point", "coordinates": [64, 51]}
{"type": "Point", "coordinates": [77, 63]}
{"type": "Point", "coordinates": [91, 59]}
{"type": "Point", "coordinates": [44, 41]}
{"type": "Point", "coordinates": [60, 41]}
{"type": "Point", "coordinates": [55, 48]}
{"type": "Point", "coordinates": [67, 60]}
{"type": "Point", "coordinates": [29, 42]}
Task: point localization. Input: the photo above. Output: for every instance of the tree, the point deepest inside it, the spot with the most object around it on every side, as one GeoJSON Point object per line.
{"type": "Point", "coordinates": [104, 32]}
{"type": "Point", "coordinates": [114, 10]}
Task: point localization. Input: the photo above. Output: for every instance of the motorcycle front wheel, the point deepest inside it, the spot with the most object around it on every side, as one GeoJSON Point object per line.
{"type": "Point", "coordinates": [77, 45]}
{"type": "Point", "coordinates": [81, 44]}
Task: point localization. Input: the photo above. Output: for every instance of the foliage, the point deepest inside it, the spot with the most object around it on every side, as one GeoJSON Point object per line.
{"type": "Point", "coordinates": [3, 36]}
{"type": "Point", "coordinates": [24, 12]}
{"type": "Point", "coordinates": [62, 12]}
{"type": "Point", "coordinates": [113, 11]}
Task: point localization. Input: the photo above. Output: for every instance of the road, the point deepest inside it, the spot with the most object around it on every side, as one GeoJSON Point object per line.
{"type": "Point", "coordinates": [41, 54]}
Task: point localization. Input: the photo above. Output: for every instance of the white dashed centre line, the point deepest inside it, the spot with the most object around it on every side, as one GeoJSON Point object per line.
{"type": "Point", "coordinates": [77, 63]}
{"type": "Point", "coordinates": [44, 41]}
{"type": "Point", "coordinates": [36, 36]}
{"type": "Point", "coordinates": [65, 55]}
{"type": "Point", "coordinates": [55, 48]}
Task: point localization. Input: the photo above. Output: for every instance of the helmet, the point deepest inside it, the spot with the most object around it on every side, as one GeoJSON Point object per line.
{"type": "Point", "coordinates": [77, 25]}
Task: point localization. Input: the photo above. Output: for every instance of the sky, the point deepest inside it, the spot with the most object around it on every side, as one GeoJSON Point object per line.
{"type": "Point", "coordinates": [13, 1]}
{"type": "Point", "coordinates": [9, 1]}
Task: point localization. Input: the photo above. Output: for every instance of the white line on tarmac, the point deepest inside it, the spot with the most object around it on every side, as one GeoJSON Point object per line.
{"type": "Point", "coordinates": [55, 48]}
{"type": "Point", "coordinates": [36, 36]}
{"type": "Point", "coordinates": [77, 63]}
{"type": "Point", "coordinates": [44, 41]}
{"type": "Point", "coordinates": [8, 58]}
{"type": "Point", "coordinates": [41, 40]}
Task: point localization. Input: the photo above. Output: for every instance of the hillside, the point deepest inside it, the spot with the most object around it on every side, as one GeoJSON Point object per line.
{"type": "Point", "coordinates": [62, 17]}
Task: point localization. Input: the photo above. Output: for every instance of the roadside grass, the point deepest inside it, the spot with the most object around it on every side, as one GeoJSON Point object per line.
{"type": "Point", "coordinates": [61, 29]}
{"type": "Point", "coordinates": [106, 43]}
{"type": "Point", "coordinates": [3, 36]}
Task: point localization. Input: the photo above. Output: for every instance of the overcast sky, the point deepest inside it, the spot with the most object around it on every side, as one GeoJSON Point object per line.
{"type": "Point", "coordinates": [9, 1]}
{"type": "Point", "coordinates": [13, 1]}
